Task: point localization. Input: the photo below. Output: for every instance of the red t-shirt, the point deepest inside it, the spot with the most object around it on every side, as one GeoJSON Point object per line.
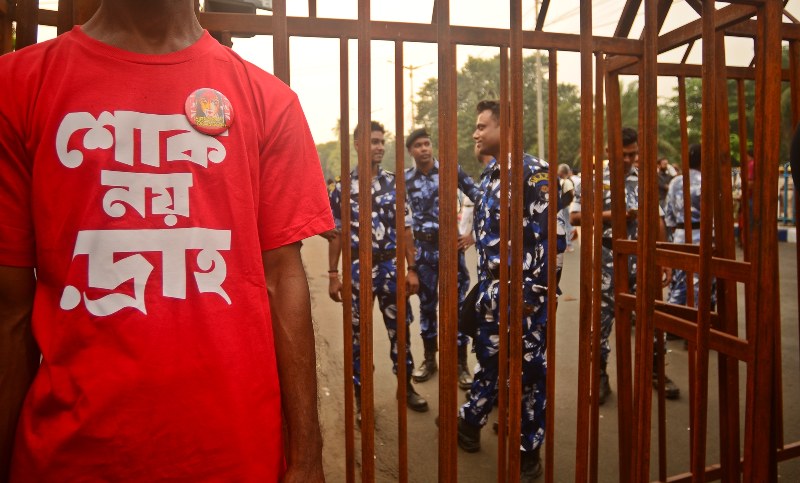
{"type": "Point", "coordinates": [151, 308]}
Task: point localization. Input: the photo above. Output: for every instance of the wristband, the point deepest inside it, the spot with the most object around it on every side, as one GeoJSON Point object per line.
{"type": "Point", "coordinates": [333, 271]}
{"type": "Point", "coordinates": [412, 268]}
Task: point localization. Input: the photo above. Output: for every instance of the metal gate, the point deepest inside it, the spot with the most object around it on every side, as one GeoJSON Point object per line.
{"type": "Point", "coordinates": [708, 330]}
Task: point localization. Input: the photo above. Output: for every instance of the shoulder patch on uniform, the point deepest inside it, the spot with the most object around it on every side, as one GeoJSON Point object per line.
{"type": "Point", "coordinates": [537, 178]}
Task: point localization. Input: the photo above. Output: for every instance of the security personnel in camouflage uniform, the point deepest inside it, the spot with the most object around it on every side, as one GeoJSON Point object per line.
{"type": "Point", "coordinates": [384, 269]}
{"type": "Point", "coordinates": [630, 158]}
{"type": "Point", "coordinates": [473, 415]}
{"type": "Point", "coordinates": [674, 219]}
{"type": "Point", "coordinates": [422, 186]}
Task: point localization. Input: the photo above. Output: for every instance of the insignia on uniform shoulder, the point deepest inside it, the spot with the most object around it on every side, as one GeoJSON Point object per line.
{"type": "Point", "coordinates": [537, 178]}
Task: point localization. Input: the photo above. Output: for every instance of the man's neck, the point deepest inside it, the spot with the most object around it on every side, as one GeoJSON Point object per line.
{"type": "Point", "coordinates": [425, 167]}
{"type": "Point", "coordinates": [375, 168]}
{"type": "Point", "coordinates": [145, 26]}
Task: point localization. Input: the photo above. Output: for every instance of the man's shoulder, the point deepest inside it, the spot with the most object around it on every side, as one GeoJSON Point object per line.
{"type": "Point", "coordinates": [17, 66]}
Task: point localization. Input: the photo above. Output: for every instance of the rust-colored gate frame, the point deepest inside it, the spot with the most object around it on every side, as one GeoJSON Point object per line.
{"type": "Point", "coordinates": [715, 257]}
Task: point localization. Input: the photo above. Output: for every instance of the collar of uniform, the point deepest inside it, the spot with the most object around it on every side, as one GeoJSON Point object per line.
{"type": "Point", "coordinates": [490, 167]}
{"type": "Point", "coordinates": [354, 173]}
{"type": "Point", "coordinates": [414, 172]}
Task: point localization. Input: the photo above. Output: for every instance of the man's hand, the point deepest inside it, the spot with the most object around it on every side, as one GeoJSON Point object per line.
{"type": "Point", "coordinates": [335, 287]}
{"type": "Point", "coordinates": [666, 276]}
{"type": "Point", "coordinates": [330, 234]}
{"type": "Point", "coordinates": [631, 215]}
{"type": "Point", "coordinates": [412, 282]}
{"type": "Point", "coordinates": [465, 241]}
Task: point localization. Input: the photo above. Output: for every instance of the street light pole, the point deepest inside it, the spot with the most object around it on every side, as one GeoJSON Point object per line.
{"type": "Point", "coordinates": [411, 68]}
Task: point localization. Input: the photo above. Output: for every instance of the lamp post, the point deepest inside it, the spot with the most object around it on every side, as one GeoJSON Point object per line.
{"type": "Point", "coordinates": [411, 68]}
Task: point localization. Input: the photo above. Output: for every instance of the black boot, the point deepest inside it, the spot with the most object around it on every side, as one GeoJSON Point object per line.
{"type": "Point", "coordinates": [428, 367]}
{"type": "Point", "coordinates": [464, 377]}
{"type": "Point", "coordinates": [414, 401]}
{"type": "Point", "coordinates": [605, 387]}
{"type": "Point", "coordinates": [469, 437]}
{"type": "Point", "coordinates": [671, 390]}
{"type": "Point", "coordinates": [530, 466]}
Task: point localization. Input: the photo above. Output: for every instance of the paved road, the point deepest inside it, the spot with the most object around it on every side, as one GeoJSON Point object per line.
{"type": "Point", "coordinates": [481, 466]}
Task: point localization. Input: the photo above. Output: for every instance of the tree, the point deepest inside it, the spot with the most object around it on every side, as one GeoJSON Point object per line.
{"type": "Point", "coordinates": [479, 79]}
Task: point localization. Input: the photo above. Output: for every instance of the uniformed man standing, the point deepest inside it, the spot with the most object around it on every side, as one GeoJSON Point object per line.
{"type": "Point", "coordinates": [674, 213]}
{"type": "Point", "coordinates": [422, 185]}
{"type": "Point", "coordinates": [473, 415]}
{"type": "Point", "coordinates": [630, 158]}
{"type": "Point", "coordinates": [384, 269]}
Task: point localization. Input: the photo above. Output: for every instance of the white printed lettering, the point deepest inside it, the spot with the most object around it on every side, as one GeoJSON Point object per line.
{"type": "Point", "coordinates": [183, 142]}
{"type": "Point", "coordinates": [104, 246]}
{"type": "Point", "coordinates": [171, 193]}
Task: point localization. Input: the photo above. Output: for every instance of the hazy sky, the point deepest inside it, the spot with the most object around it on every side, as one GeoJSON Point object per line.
{"type": "Point", "coordinates": [315, 62]}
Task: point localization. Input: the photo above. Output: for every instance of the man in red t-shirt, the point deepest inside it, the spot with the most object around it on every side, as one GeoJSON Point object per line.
{"type": "Point", "coordinates": [154, 312]}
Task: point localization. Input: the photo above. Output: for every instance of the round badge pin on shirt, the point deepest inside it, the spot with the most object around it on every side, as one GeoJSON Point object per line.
{"type": "Point", "coordinates": [209, 111]}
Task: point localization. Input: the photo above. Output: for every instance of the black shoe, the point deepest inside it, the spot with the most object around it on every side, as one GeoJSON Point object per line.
{"type": "Point", "coordinates": [414, 401]}
{"type": "Point", "coordinates": [426, 369]}
{"type": "Point", "coordinates": [530, 466]}
{"type": "Point", "coordinates": [469, 437]}
{"type": "Point", "coordinates": [604, 391]}
{"type": "Point", "coordinates": [464, 377]}
{"type": "Point", "coordinates": [671, 390]}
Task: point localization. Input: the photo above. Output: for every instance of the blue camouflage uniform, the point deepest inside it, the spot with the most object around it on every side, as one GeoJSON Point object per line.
{"type": "Point", "coordinates": [607, 269]}
{"type": "Point", "coordinates": [423, 196]}
{"type": "Point", "coordinates": [534, 288]}
{"type": "Point", "coordinates": [384, 273]}
{"type": "Point", "coordinates": [674, 219]}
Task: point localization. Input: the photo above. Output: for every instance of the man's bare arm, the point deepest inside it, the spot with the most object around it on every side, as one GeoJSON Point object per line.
{"type": "Point", "coordinates": [19, 355]}
{"type": "Point", "coordinates": [290, 305]}
{"type": "Point", "coordinates": [334, 282]}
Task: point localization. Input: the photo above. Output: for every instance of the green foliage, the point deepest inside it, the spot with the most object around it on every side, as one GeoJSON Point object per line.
{"type": "Point", "coordinates": [477, 80]}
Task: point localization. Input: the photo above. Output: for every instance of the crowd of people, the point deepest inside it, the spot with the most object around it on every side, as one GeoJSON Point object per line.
{"type": "Point", "coordinates": [479, 224]}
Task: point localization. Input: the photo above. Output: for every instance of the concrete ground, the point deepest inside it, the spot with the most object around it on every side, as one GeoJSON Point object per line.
{"type": "Point", "coordinates": [481, 466]}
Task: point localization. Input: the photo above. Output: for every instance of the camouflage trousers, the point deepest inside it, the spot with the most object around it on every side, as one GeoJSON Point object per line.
{"type": "Point", "coordinates": [384, 288]}
{"type": "Point", "coordinates": [427, 261]}
{"type": "Point", "coordinates": [483, 393]}
{"type": "Point", "coordinates": [607, 298]}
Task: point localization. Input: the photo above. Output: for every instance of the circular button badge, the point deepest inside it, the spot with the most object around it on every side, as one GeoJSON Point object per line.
{"type": "Point", "coordinates": [209, 111]}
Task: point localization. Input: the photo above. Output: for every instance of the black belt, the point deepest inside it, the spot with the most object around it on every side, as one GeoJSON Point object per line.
{"type": "Point", "coordinates": [377, 255]}
{"type": "Point", "coordinates": [695, 225]}
{"type": "Point", "coordinates": [426, 236]}
{"type": "Point", "coordinates": [608, 243]}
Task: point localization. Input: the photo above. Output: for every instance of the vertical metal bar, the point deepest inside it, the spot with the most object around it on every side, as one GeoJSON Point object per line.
{"type": "Point", "coordinates": [646, 280]}
{"type": "Point", "coordinates": [347, 263]}
{"type": "Point", "coordinates": [502, 371]}
{"type": "Point", "coordinates": [621, 317]}
{"type": "Point", "coordinates": [27, 16]}
{"type": "Point", "coordinates": [280, 41]}
{"type": "Point", "coordinates": [761, 448]}
{"type": "Point", "coordinates": [594, 416]}
{"type": "Point", "coordinates": [688, 230]}
{"type": "Point", "coordinates": [728, 367]}
{"type": "Point", "coordinates": [709, 155]}
{"type": "Point", "coordinates": [517, 187]}
{"type": "Point", "coordinates": [448, 249]}
{"type": "Point", "coordinates": [794, 76]}
{"type": "Point", "coordinates": [744, 229]}
{"type": "Point", "coordinates": [402, 327]}
{"type": "Point", "coordinates": [552, 260]}
{"type": "Point", "coordinates": [587, 295]}
{"type": "Point", "coordinates": [365, 244]}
